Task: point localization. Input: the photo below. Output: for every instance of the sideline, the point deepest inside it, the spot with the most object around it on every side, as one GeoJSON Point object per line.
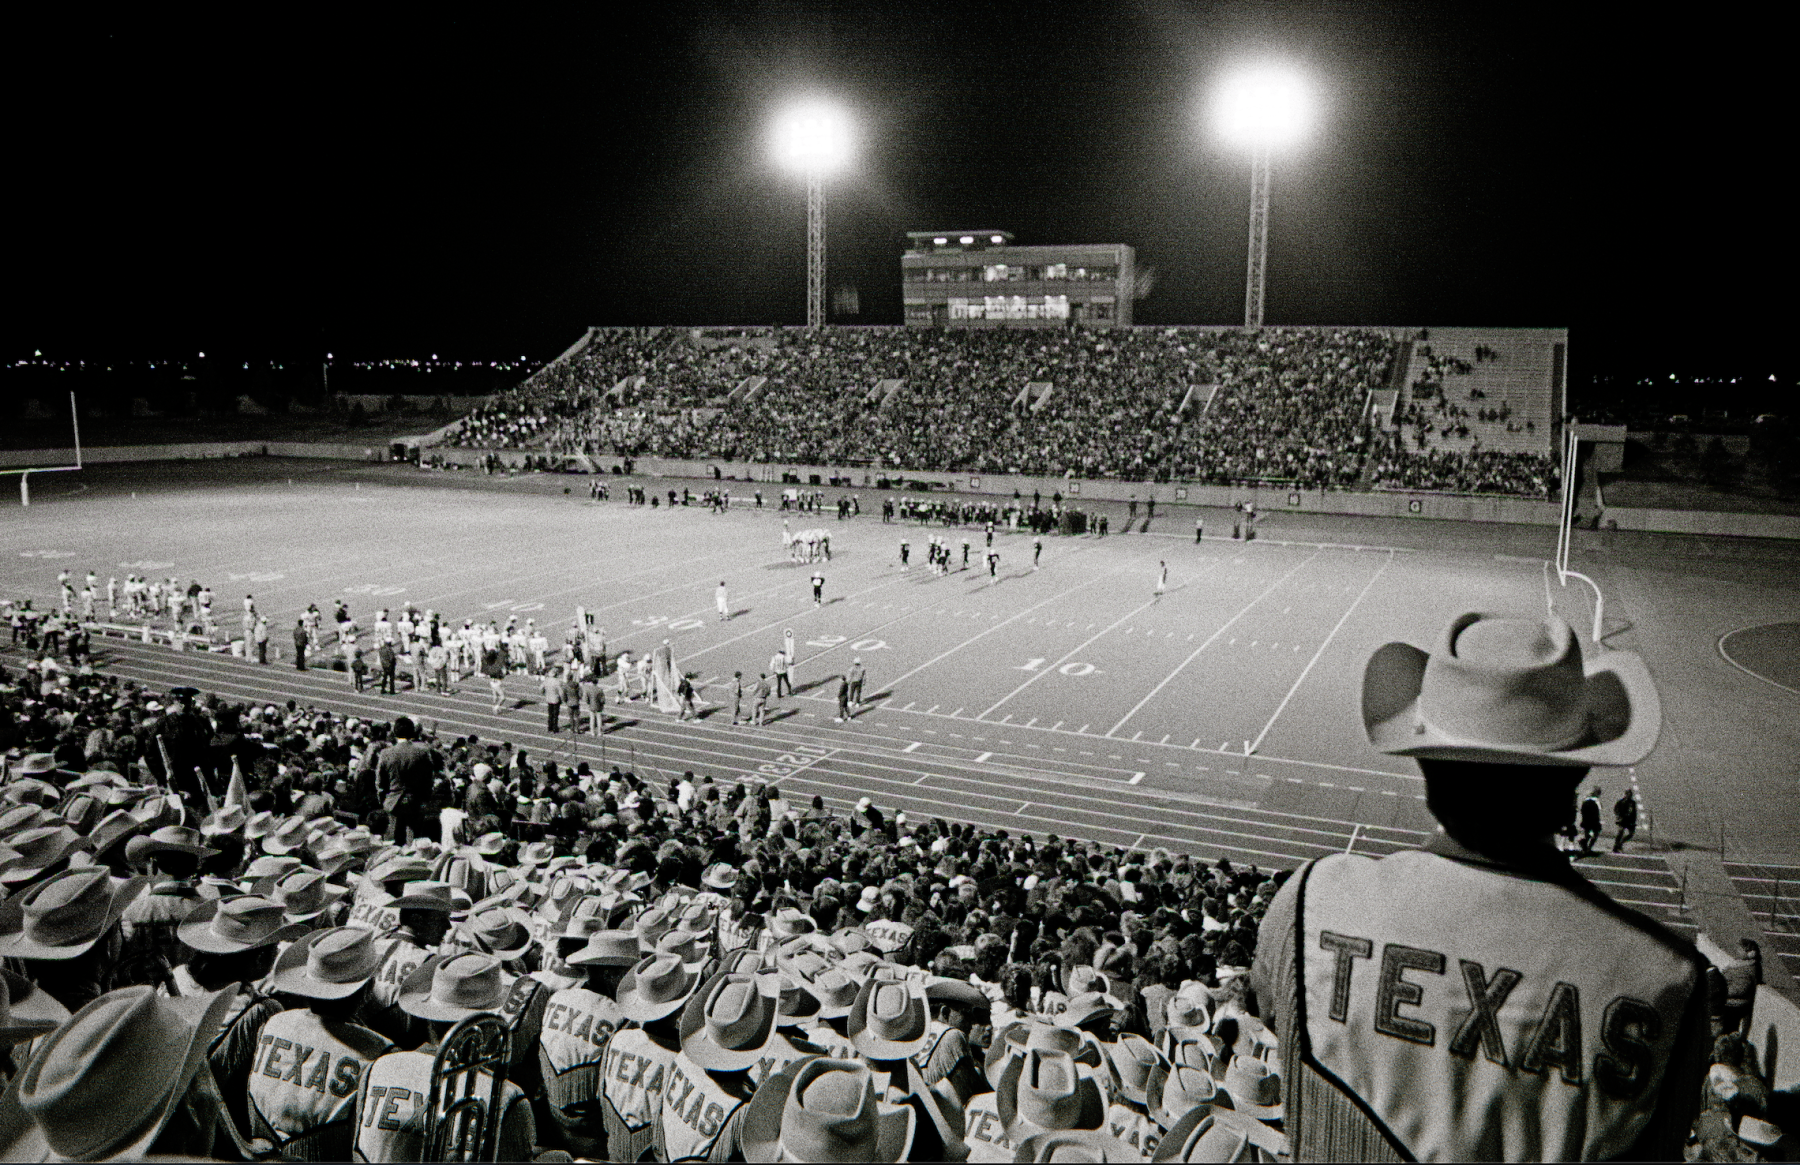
{"type": "Point", "coordinates": [1726, 655]}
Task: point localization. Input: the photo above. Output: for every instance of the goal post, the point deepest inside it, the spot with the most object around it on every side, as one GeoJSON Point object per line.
{"type": "Point", "coordinates": [1565, 530]}
{"type": "Point", "coordinates": [24, 474]}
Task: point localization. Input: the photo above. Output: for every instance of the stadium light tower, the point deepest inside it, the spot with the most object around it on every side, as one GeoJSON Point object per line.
{"type": "Point", "coordinates": [814, 139]}
{"type": "Point", "coordinates": [1262, 108]}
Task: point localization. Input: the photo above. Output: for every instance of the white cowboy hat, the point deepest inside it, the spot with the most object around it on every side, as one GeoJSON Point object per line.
{"type": "Point", "coordinates": [1502, 688]}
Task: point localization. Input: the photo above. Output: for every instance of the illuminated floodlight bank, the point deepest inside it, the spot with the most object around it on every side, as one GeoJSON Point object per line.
{"type": "Point", "coordinates": [813, 138]}
{"type": "Point", "coordinates": [1264, 107]}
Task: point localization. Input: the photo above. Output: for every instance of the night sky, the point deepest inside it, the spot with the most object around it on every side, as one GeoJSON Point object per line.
{"type": "Point", "coordinates": [402, 185]}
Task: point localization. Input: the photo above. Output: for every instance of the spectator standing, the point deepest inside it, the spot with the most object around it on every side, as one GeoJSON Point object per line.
{"type": "Point", "coordinates": [300, 638]}
{"type": "Point", "coordinates": [856, 677]}
{"type": "Point", "coordinates": [778, 666]}
{"type": "Point", "coordinates": [261, 635]}
{"type": "Point", "coordinates": [1565, 1026]}
{"type": "Point", "coordinates": [1590, 821]}
{"type": "Point", "coordinates": [390, 663]}
{"type": "Point", "coordinates": [1625, 816]}
{"type": "Point", "coordinates": [406, 776]}
{"type": "Point", "coordinates": [552, 687]}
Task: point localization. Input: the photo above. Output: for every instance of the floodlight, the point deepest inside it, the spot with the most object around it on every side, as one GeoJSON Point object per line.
{"type": "Point", "coordinates": [1265, 107]}
{"type": "Point", "coordinates": [813, 138]}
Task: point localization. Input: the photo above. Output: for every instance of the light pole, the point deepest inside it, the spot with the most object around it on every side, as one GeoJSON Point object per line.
{"type": "Point", "coordinates": [1263, 109]}
{"type": "Point", "coordinates": [814, 139]}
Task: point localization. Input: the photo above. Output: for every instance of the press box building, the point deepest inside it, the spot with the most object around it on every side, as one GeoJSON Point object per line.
{"type": "Point", "coordinates": [978, 279]}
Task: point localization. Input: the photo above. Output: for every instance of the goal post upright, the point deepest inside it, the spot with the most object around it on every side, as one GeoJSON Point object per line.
{"type": "Point", "coordinates": [26, 472]}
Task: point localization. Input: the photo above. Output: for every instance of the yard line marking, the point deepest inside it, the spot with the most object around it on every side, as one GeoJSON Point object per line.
{"type": "Point", "coordinates": [1022, 808]}
{"type": "Point", "coordinates": [924, 778]}
{"type": "Point", "coordinates": [1030, 722]}
{"type": "Point", "coordinates": [1005, 718]}
{"type": "Point", "coordinates": [912, 746]}
{"type": "Point", "coordinates": [1036, 676]}
{"type": "Point", "coordinates": [1549, 606]}
{"type": "Point", "coordinates": [1327, 785]}
{"type": "Point", "coordinates": [1082, 731]}
{"type": "Point", "coordinates": [982, 759]}
{"type": "Point", "coordinates": [1137, 735]}
{"type": "Point", "coordinates": [1307, 670]}
{"type": "Point", "coordinates": [1140, 841]}
{"type": "Point", "coordinates": [1196, 743]}
{"type": "Point", "coordinates": [1209, 639]}
{"type": "Point", "coordinates": [1136, 778]}
{"type": "Point", "coordinates": [896, 681]}
{"type": "Point", "coordinates": [909, 706]}
{"type": "Point", "coordinates": [954, 714]}
{"type": "Point", "coordinates": [1055, 726]}
{"type": "Point", "coordinates": [932, 709]}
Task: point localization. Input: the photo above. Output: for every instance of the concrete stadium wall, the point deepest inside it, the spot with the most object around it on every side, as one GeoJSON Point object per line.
{"type": "Point", "coordinates": [1660, 521]}
{"type": "Point", "coordinates": [200, 451]}
{"type": "Point", "coordinates": [1462, 508]}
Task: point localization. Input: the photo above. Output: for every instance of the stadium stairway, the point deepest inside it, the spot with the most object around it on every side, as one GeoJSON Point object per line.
{"type": "Point", "coordinates": [1521, 378]}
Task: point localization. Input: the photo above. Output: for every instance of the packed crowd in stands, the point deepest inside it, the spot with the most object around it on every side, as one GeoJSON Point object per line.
{"type": "Point", "coordinates": [245, 873]}
{"type": "Point", "coordinates": [1288, 406]}
{"type": "Point", "coordinates": [1478, 471]}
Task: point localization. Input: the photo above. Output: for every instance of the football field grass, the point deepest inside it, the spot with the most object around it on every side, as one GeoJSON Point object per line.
{"type": "Point", "coordinates": [1219, 717]}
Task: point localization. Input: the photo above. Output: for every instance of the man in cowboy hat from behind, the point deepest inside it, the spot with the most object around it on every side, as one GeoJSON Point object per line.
{"type": "Point", "coordinates": [392, 1117]}
{"type": "Point", "coordinates": [149, 923]}
{"type": "Point", "coordinates": [1477, 999]}
{"type": "Point", "coordinates": [311, 1058]}
{"type": "Point", "coordinates": [578, 1025]}
{"type": "Point", "coordinates": [640, 1057]}
{"type": "Point", "coordinates": [424, 922]}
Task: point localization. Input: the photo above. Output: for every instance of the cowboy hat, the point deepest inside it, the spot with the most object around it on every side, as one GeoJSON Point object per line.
{"type": "Point", "coordinates": [400, 867]}
{"type": "Point", "coordinates": [1088, 1007]}
{"type": "Point", "coordinates": [63, 917]}
{"type": "Point", "coordinates": [536, 854]}
{"type": "Point", "coordinates": [260, 824]}
{"type": "Point", "coordinates": [170, 839]}
{"type": "Point", "coordinates": [1219, 1135]}
{"type": "Point", "coordinates": [939, 989]}
{"type": "Point", "coordinates": [488, 844]}
{"type": "Point", "coordinates": [1174, 1090]}
{"type": "Point", "coordinates": [686, 943]}
{"type": "Point", "coordinates": [36, 850]}
{"type": "Point", "coordinates": [227, 820]}
{"type": "Point", "coordinates": [1043, 1090]}
{"type": "Point", "coordinates": [720, 876]}
{"type": "Point", "coordinates": [111, 830]}
{"type": "Point", "coordinates": [1254, 1089]}
{"type": "Point", "coordinates": [888, 1020]}
{"type": "Point", "coordinates": [826, 1110]}
{"type": "Point", "coordinates": [26, 1012]}
{"type": "Point", "coordinates": [655, 987]}
{"type": "Point", "coordinates": [454, 987]}
{"type": "Point", "coordinates": [1134, 1059]}
{"type": "Point", "coordinates": [285, 838]}
{"type": "Point", "coordinates": [104, 1084]}
{"type": "Point", "coordinates": [1075, 1145]}
{"type": "Point", "coordinates": [23, 817]}
{"type": "Point", "coordinates": [1506, 689]}
{"type": "Point", "coordinates": [423, 895]}
{"type": "Point", "coordinates": [726, 1025]}
{"type": "Point", "coordinates": [607, 948]}
{"type": "Point", "coordinates": [304, 894]}
{"type": "Point", "coordinates": [225, 926]}
{"type": "Point", "coordinates": [498, 931]}
{"type": "Point", "coordinates": [327, 964]}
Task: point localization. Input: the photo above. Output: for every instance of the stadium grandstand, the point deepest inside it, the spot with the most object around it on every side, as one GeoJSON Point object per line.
{"type": "Point", "coordinates": [1471, 411]}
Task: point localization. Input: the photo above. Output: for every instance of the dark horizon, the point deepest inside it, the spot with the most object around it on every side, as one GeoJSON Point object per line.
{"type": "Point", "coordinates": [485, 190]}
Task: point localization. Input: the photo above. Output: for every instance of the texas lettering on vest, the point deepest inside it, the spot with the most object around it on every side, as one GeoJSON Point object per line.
{"type": "Point", "coordinates": [288, 1062]}
{"type": "Point", "coordinates": [985, 1136]}
{"type": "Point", "coordinates": [695, 1108]}
{"type": "Point", "coordinates": [635, 1075]}
{"type": "Point", "coordinates": [1430, 983]}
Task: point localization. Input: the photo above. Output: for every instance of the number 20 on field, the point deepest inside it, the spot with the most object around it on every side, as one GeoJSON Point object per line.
{"type": "Point", "coordinates": [1074, 667]}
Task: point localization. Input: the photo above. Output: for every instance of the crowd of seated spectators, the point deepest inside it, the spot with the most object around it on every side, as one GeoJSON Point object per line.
{"type": "Point", "coordinates": [1476, 471]}
{"type": "Point", "coordinates": [1289, 404]}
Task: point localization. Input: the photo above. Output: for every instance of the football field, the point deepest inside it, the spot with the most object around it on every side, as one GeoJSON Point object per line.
{"type": "Point", "coordinates": [1070, 697]}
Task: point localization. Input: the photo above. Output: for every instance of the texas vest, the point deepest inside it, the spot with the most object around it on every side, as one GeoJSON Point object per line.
{"type": "Point", "coordinates": [1480, 1015]}
{"type": "Point", "coordinates": [303, 1083]}
{"type": "Point", "coordinates": [636, 1070]}
{"type": "Point", "coordinates": [577, 1026]}
{"type": "Point", "coordinates": [523, 1011]}
{"type": "Point", "coordinates": [399, 960]}
{"type": "Point", "coordinates": [393, 1123]}
{"type": "Point", "coordinates": [983, 1133]}
{"type": "Point", "coordinates": [1133, 1126]}
{"type": "Point", "coordinates": [696, 1106]}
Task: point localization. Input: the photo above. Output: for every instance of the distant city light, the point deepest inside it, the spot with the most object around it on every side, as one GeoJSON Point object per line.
{"type": "Point", "coordinates": [813, 138]}
{"type": "Point", "coordinates": [967, 239]}
{"type": "Point", "coordinates": [940, 241]}
{"type": "Point", "coordinates": [1266, 106]}
{"type": "Point", "coordinates": [997, 238]}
